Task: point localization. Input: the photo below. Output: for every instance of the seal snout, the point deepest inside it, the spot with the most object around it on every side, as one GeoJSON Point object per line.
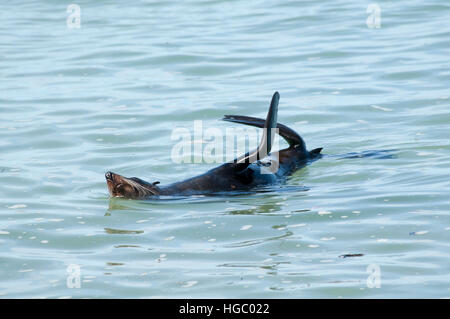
{"type": "Point", "coordinates": [109, 176]}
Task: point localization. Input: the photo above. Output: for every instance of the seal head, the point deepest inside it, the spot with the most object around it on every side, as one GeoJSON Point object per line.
{"type": "Point", "coordinates": [130, 187]}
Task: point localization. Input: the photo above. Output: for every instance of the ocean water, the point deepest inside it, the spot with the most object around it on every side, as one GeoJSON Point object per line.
{"type": "Point", "coordinates": [106, 92]}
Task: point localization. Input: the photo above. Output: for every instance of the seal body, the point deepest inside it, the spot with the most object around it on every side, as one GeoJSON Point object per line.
{"type": "Point", "coordinates": [252, 169]}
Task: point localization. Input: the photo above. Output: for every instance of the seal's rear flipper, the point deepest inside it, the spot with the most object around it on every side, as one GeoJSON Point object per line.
{"type": "Point", "coordinates": [265, 145]}
{"type": "Point", "coordinates": [316, 151]}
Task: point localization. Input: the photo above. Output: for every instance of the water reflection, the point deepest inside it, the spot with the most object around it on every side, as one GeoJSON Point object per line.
{"type": "Point", "coordinates": [122, 231]}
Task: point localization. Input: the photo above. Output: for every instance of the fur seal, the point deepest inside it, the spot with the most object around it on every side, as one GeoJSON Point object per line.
{"type": "Point", "coordinates": [243, 173]}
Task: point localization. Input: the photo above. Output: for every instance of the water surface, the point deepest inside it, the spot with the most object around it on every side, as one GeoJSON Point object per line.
{"type": "Point", "coordinates": [75, 103]}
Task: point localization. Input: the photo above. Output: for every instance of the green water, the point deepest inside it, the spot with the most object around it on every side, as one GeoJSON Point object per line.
{"type": "Point", "coordinates": [77, 102]}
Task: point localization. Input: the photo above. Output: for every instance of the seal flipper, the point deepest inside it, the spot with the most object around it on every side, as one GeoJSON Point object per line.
{"type": "Point", "coordinates": [265, 145]}
{"type": "Point", "coordinates": [315, 153]}
{"type": "Point", "coordinates": [291, 136]}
